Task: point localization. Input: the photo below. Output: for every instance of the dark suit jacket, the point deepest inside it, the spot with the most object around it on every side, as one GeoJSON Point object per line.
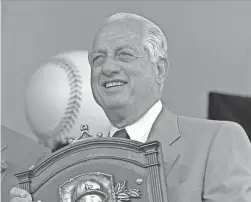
{"type": "Point", "coordinates": [18, 153]}
{"type": "Point", "coordinates": [204, 160]}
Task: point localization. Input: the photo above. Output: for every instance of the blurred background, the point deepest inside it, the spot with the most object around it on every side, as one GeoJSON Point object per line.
{"type": "Point", "coordinates": [209, 50]}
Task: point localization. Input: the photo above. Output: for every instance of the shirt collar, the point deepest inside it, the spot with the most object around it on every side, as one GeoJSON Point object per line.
{"type": "Point", "coordinates": [140, 130]}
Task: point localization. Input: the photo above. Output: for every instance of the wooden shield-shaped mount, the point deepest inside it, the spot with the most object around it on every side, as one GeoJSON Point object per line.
{"type": "Point", "coordinates": [99, 170]}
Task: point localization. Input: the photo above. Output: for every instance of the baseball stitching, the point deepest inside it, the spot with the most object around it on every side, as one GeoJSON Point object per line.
{"type": "Point", "coordinates": [72, 109]}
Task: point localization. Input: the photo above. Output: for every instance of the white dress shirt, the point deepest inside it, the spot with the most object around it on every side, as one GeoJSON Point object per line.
{"type": "Point", "coordinates": [140, 130]}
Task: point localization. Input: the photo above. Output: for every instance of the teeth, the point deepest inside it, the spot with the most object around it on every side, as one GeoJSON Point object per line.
{"type": "Point", "coordinates": [113, 84]}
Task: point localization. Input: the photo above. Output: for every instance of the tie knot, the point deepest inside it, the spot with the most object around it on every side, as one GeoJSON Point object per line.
{"type": "Point", "coordinates": [121, 134]}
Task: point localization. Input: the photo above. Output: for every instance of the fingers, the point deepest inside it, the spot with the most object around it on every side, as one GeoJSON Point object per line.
{"type": "Point", "coordinates": [16, 192]}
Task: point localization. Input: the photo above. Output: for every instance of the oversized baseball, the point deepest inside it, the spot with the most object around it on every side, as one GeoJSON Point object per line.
{"type": "Point", "coordinates": [59, 98]}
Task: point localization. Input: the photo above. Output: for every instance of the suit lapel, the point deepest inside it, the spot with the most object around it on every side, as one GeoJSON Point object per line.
{"type": "Point", "coordinates": [165, 130]}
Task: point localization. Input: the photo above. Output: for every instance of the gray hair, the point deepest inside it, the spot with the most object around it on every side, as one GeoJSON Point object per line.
{"type": "Point", "coordinates": [153, 38]}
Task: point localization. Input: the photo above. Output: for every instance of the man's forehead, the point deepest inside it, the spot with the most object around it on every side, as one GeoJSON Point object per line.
{"type": "Point", "coordinates": [125, 26]}
{"type": "Point", "coordinates": [118, 31]}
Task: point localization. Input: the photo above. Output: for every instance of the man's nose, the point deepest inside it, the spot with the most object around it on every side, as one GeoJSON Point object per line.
{"type": "Point", "coordinates": [110, 68]}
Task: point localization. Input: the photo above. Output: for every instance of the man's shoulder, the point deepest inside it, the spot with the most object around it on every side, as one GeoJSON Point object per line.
{"type": "Point", "coordinates": [205, 127]}
{"type": "Point", "coordinates": [186, 121]}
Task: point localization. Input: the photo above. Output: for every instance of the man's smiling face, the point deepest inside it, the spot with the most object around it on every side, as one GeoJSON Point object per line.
{"type": "Point", "coordinates": [123, 75]}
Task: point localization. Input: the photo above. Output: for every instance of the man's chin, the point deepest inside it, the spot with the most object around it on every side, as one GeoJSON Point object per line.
{"type": "Point", "coordinates": [116, 105]}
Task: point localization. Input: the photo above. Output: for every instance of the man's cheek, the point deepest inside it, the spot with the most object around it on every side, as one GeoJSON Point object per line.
{"type": "Point", "coordinates": [95, 72]}
{"type": "Point", "coordinates": [94, 81]}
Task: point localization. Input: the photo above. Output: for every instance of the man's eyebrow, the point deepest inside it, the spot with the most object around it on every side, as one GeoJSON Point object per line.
{"type": "Point", "coordinates": [95, 51]}
{"type": "Point", "coordinates": [126, 47]}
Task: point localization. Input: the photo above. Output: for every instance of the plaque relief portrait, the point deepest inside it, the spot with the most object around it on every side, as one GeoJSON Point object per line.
{"type": "Point", "coordinates": [96, 187]}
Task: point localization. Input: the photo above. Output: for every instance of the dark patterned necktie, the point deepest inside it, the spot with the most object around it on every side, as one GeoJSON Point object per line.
{"type": "Point", "coordinates": [121, 134]}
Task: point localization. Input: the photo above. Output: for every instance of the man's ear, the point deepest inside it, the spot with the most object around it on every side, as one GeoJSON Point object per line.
{"type": "Point", "coordinates": [162, 69]}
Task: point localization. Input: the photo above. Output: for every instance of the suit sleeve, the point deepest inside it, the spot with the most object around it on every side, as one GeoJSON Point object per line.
{"type": "Point", "coordinates": [228, 170]}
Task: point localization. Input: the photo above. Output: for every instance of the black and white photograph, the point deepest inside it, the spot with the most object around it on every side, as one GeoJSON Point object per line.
{"type": "Point", "coordinates": [125, 101]}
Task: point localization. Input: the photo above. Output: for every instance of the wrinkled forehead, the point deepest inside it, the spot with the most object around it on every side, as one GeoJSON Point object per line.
{"type": "Point", "coordinates": [117, 33]}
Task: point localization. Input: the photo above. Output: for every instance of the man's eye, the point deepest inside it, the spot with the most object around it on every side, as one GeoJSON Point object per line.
{"type": "Point", "coordinates": [125, 56]}
{"type": "Point", "coordinates": [97, 59]}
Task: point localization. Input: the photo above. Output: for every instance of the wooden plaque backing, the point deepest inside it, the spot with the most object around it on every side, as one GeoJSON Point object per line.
{"type": "Point", "coordinates": [139, 165]}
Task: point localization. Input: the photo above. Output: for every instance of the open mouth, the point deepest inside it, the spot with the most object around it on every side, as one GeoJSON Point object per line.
{"type": "Point", "coordinates": [114, 83]}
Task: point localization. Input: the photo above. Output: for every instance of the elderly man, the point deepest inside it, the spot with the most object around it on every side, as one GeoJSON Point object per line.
{"type": "Point", "coordinates": [204, 160]}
